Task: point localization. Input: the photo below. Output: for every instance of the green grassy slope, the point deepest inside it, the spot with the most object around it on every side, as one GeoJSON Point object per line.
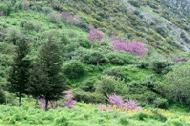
{"type": "Point", "coordinates": [85, 115]}
{"type": "Point", "coordinates": [149, 21]}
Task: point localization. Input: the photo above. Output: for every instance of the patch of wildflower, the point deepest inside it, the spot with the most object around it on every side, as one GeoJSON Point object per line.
{"type": "Point", "coordinates": [69, 101]}
{"type": "Point", "coordinates": [95, 34]}
{"type": "Point", "coordinates": [136, 48]}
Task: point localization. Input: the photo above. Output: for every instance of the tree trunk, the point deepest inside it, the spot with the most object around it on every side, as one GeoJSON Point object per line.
{"type": "Point", "coordinates": [20, 99]}
{"type": "Point", "coordinates": [46, 105]}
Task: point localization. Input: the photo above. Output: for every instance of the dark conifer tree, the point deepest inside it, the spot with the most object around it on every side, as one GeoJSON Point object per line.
{"type": "Point", "coordinates": [19, 74]}
{"type": "Point", "coordinates": [46, 79]}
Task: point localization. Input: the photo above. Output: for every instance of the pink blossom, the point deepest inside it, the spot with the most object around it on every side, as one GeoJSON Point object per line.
{"type": "Point", "coordinates": [137, 48]}
{"type": "Point", "coordinates": [69, 101]}
{"type": "Point", "coordinates": [116, 100]}
{"type": "Point", "coordinates": [95, 34]}
{"type": "Point", "coordinates": [132, 105]}
{"type": "Point", "coordinates": [121, 104]}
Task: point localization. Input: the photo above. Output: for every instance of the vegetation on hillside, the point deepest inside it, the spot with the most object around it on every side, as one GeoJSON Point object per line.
{"type": "Point", "coordinates": [123, 60]}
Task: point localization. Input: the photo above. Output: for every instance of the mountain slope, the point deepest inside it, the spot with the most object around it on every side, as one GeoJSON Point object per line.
{"type": "Point", "coordinates": [149, 21]}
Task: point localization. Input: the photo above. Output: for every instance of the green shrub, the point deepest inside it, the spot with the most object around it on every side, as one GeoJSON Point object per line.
{"type": "Point", "coordinates": [84, 43]}
{"type": "Point", "coordinates": [61, 121]}
{"type": "Point", "coordinates": [47, 10]}
{"type": "Point", "coordinates": [143, 65]}
{"type": "Point", "coordinates": [74, 70]}
{"type": "Point", "coordinates": [89, 97]}
{"type": "Point", "coordinates": [158, 116]}
{"type": "Point", "coordinates": [88, 85]}
{"type": "Point", "coordinates": [161, 67]}
{"type": "Point", "coordinates": [141, 116]}
{"type": "Point", "coordinates": [94, 57]}
{"type": "Point", "coordinates": [176, 122]}
{"type": "Point", "coordinates": [5, 8]}
{"type": "Point", "coordinates": [108, 85]}
{"type": "Point", "coordinates": [116, 72]}
{"type": "Point", "coordinates": [119, 58]}
{"type": "Point", "coordinates": [178, 88]}
{"type": "Point", "coordinates": [134, 3]}
{"type": "Point", "coordinates": [30, 25]}
{"type": "Point", "coordinates": [56, 5]}
{"type": "Point", "coordinates": [161, 103]}
{"type": "Point", "coordinates": [2, 97]}
{"type": "Point", "coordinates": [54, 17]}
{"type": "Point", "coordinates": [124, 121]}
{"type": "Point", "coordinates": [13, 35]}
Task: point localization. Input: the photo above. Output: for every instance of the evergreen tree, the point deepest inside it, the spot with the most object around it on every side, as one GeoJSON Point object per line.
{"type": "Point", "coordinates": [46, 79]}
{"type": "Point", "coordinates": [19, 74]}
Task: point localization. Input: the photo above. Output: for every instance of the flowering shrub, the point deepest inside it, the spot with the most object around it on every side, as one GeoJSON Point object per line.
{"type": "Point", "coordinates": [69, 101]}
{"type": "Point", "coordinates": [118, 102]}
{"type": "Point", "coordinates": [95, 34]}
{"type": "Point", "coordinates": [136, 48]}
{"type": "Point", "coordinates": [132, 105]}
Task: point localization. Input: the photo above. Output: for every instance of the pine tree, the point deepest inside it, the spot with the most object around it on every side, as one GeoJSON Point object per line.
{"type": "Point", "coordinates": [46, 79]}
{"type": "Point", "coordinates": [19, 74]}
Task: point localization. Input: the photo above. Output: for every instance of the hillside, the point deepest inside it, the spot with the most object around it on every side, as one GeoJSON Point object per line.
{"type": "Point", "coordinates": [136, 52]}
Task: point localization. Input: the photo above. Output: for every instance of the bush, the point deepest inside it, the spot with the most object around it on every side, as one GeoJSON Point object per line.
{"type": "Point", "coordinates": [141, 116]}
{"type": "Point", "coordinates": [55, 17]}
{"type": "Point", "coordinates": [134, 3]}
{"type": "Point", "coordinates": [119, 58]}
{"type": "Point", "coordinates": [61, 121]}
{"type": "Point", "coordinates": [178, 79]}
{"type": "Point", "coordinates": [116, 72]}
{"type": "Point", "coordinates": [161, 67]}
{"type": "Point", "coordinates": [30, 25]}
{"type": "Point", "coordinates": [143, 65]}
{"type": "Point", "coordinates": [5, 8]}
{"type": "Point", "coordinates": [158, 116]}
{"type": "Point", "coordinates": [47, 10]}
{"type": "Point", "coordinates": [74, 70]}
{"type": "Point", "coordinates": [88, 85]}
{"type": "Point", "coordinates": [13, 35]}
{"type": "Point", "coordinates": [109, 85]}
{"type": "Point", "coordinates": [89, 97]}
{"type": "Point", "coordinates": [124, 121]}
{"type": "Point", "coordinates": [95, 58]}
{"type": "Point", "coordinates": [84, 43]}
{"type": "Point", "coordinates": [2, 97]}
{"type": "Point", "coordinates": [161, 103]}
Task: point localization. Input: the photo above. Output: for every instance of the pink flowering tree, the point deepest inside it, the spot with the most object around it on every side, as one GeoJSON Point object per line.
{"type": "Point", "coordinates": [118, 101]}
{"type": "Point", "coordinates": [69, 101]}
{"type": "Point", "coordinates": [136, 48]}
{"type": "Point", "coordinates": [95, 34]}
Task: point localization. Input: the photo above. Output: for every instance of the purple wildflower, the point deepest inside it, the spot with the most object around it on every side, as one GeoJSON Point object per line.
{"type": "Point", "coordinates": [132, 105]}
{"type": "Point", "coordinates": [116, 100]}
{"type": "Point", "coordinates": [95, 34]}
{"type": "Point", "coordinates": [69, 101]}
{"type": "Point", "coordinates": [137, 48]}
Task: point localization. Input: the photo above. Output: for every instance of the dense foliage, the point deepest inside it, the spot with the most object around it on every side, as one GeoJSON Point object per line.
{"type": "Point", "coordinates": [117, 56]}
